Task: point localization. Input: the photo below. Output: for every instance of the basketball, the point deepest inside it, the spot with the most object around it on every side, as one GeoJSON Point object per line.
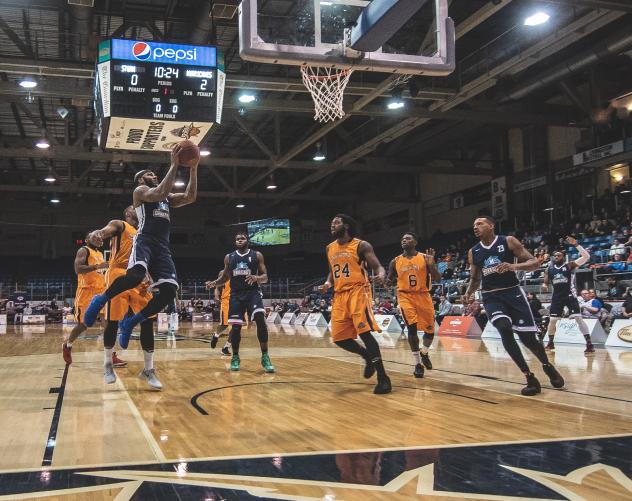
{"type": "Point", "coordinates": [189, 154]}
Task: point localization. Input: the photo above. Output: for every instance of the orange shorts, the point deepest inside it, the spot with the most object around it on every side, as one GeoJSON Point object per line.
{"type": "Point", "coordinates": [352, 314]}
{"type": "Point", "coordinates": [223, 312]}
{"type": "Point", "coordinates": [82, 300]}
{"type": "Point", "coordinates": [135, 299]}
{"type": "Point", "coordinates": [417, 308]}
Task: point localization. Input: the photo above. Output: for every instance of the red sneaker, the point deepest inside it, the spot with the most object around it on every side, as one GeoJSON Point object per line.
{"type": "Point", "coordinates": [550, 346]}
{"type": "Point", "coordinates": [65, 350]}
{"type": "Point", "coordinates": [117, 362]}
{"type": "Point", "coordinates": [589, 349]}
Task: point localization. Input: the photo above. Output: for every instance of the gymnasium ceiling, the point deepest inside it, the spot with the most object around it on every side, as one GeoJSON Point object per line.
{"type": "Point", "coordinates": [507, 76]}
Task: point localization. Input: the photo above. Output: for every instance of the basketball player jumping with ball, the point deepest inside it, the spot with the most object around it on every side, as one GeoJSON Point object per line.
{"type": "Point", "coordinates": [150, 253]}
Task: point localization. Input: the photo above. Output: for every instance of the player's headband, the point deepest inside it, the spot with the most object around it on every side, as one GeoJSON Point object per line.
{"type": "Point", "coordinates": [140, 174]}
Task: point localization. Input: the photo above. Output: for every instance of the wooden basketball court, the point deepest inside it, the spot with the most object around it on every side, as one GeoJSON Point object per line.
{"type": "Point", "coordinates": [313, 430]}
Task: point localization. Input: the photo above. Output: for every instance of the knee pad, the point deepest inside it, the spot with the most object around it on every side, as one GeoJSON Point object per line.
{"type": "Point", "coordinates": [235, 329]}
{"type": "Point", "coordinates": [259, 319]}
{"type": "Point", "coordinates": [429, 337]}
{"type": "Point", "coordinates": [412, 330]}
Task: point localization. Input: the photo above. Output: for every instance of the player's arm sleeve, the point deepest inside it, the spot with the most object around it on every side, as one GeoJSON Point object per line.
{"type": "Point", "coordinates": [584, 256]}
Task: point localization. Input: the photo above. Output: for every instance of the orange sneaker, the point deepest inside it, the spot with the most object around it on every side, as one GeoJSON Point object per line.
{"type": "Point", "coordinates": [65, 350]}
{"type": "Point", "coordinates": [117, 362]}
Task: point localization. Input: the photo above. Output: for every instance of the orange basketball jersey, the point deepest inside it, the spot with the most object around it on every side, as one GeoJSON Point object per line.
{"type": "Point", "coordinates": [412, 273]}
{"type": "Point", "coordinates": [225, 297]}
{"type": "Point", "coordinates": [346, 265]}
{"type": "Point", "coordinates": [92, 279]}
{"type": "Point", "coordinates": [121, 247]}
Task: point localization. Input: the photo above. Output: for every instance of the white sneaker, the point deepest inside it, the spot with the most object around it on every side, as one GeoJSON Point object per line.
{"type": "Point", "coordinates": [150, 377]}
{"type": "Point", "coordinates": [109, 376]}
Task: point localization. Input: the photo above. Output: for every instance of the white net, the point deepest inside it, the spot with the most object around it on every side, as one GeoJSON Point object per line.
{"type": "Point", "coordinates": [327, 87]}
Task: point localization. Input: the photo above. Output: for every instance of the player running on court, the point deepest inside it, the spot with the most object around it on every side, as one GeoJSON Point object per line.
{"type": "Point", "coordinates": [246, 270]}
{"type": "Point", "coordinates": [494, 262]}
{"type": "Point", "coordinates": [562, 275]}
{"type": "Point", "coordinates": [414, 273]}
{"type": "Point", "coordinates": [352, 307]}
{"type": "Point", "coordinates": [222, 294]}
{"type": "Point", "coordinates": [152, 202]}
{"type": "Point", "coordinates": [90, 281]}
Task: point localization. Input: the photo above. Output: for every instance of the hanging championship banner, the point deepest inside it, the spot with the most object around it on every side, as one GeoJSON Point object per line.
{"type": "Point", "coordinates": [499, 199]}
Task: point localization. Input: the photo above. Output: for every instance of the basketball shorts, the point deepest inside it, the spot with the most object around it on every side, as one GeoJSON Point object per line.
{"type": "Point", "coordinates": [352, 314]}
{"type": "Point", "coordinates": [82, 300]}
{"type": "Point", "coordinates": [244, 302]}
{"type": "Point", "coordinates": [417, 308]}
{"type": "Point", "coordinates": [559, 302]}
{"type": "Point", "coordinates": [155, 256]}
{"type": "Point", "coordinates": [511, 304]}
{"type": "Point", "coordinates": [133, 299]}
{"type": "Point", "coordinates": [223, 311]}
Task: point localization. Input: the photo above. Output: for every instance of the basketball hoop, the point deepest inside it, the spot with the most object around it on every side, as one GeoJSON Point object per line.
{"type": "Point", "coordinates": [327, 87]}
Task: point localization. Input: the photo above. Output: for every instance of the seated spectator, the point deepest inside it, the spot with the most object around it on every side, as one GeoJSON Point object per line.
{"type": "Point", "coordinates": [626, 311]}
{"type": "Point", "coordinates": [445, 308]}
{"type": "Point", "coordinates": [617, 248]}
{"type": "Point", "coordinates": [615, 291]}
{"type": "Point", "coordinates": [588, 306]}
{"type": "Point", "coordinates": [535, 304]}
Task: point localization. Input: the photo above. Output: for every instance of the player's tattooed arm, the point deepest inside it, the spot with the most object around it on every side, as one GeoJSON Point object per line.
{"type": "Point", "coordinates": [190, 194]}
{"type": "Point", "coordinates": [391, 276]}
{"type": "Point", "coordinates": [224, 275]}
{"type": "Point", "coordinates": [114, 227]}
{"type": "Point", "coordinates": [262, 278]}
{"type": "Point", "coordinates": [526, 261]}
{"type": "Point", "coordinates": [366, 252]}
{"type": "Point", "coordinates": [475, 278]}
{"type": "Point", "coordinates": [432, 265]}
{"type": "Point", "coordinates": [146, 194]}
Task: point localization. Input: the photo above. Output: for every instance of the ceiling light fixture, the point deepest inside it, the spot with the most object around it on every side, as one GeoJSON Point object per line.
{"type": "Point", "coordinates": [28, 83]}
{"type": "Point", "coordinates": [537, 19]}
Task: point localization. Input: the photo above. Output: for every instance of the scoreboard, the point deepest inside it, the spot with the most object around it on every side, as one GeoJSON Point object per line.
{"type": "Point", "coordinates": [149, 96]}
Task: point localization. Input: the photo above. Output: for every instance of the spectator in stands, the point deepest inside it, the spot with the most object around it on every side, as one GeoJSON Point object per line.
{"type": "Point", "coordinates": [587, 305]}
{"type": "Point", "coordinates": [615, 291]}
{"type": "Point", "coordinates": [617, 264]}
{"type": "Point", "coordinates": [474, 309]}
{"type": "Point", "coordinates": [627, 306]}
{"type": "Point", "coordinates": [293, 307]}
{"type": "Point", "coordinates": [321, 307]}
{"type": "Point", "coordinates": [536, 305]}
{"type": "Point", "coordinates": [617, 248]}
{"type": "Point", "coordinates": [445, 308]}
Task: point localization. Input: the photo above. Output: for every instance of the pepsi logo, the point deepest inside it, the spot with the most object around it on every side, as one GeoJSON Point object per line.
{"type": "Point", "coordinates": [141, 51]}
{"type": "Point", "coordinates": [625, 334]}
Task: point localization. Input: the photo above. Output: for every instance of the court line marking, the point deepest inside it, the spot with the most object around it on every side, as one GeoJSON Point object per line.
{"type": "Point", "coordinates": [126, 486]}
{"type": "Point", "coordinates": [349, 360]}
{"type": "Point", "coordinates": [51, 439]}
{"type": "Point", "coordinates": [153, 445]}
{"type": "Point", "coordinates": [318, 453]}
{"type": "Point", "coordinates": [201, 410]}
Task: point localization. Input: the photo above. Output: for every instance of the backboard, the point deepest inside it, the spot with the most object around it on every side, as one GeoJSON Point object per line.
{"type": "Point", "coordinates": [312, 32]}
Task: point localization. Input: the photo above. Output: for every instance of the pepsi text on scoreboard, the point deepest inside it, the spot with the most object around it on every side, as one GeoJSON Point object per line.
{"type": "Point", "coordinates": [159, 52]}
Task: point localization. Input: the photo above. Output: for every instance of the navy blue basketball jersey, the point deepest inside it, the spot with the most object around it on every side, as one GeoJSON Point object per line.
{"type": "Point", "coordinates": [487, 258]}
{"type": "Point", "coordinates": [240, 267]}
{"type": "Point", "coordinates": [562, 280]}
{"type": "Point", "coordinates": [153, 219]}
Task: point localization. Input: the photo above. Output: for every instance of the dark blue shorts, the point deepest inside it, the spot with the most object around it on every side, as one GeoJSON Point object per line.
{"type": "Point", "coordinates": [155, 256]}
{"type": "Point", "coordinates": [511, 304]}
{"type": "Point", "coordinates": [559, 302]}
{"type": "Point", "coordinates": [242, 302]}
